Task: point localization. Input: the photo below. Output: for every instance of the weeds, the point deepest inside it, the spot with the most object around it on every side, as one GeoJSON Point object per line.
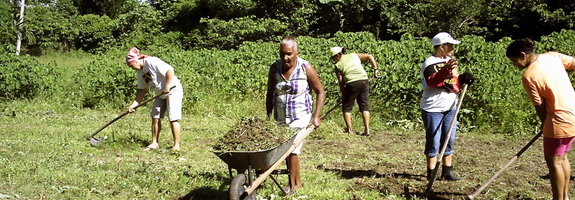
{"type": "Point", "coordinates": [253, 134]}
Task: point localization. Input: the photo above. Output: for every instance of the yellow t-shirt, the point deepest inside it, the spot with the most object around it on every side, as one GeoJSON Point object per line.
{"type": "Point", "coordinates": [351, 69]}
{"type": "Point", "coordinates": [546, 81]}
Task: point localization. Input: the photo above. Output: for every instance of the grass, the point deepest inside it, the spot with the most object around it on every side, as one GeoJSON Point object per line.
{"type": "Point", "coordinates": [44, 154]}
{"type": "Point", "coordinates": [73, 60]}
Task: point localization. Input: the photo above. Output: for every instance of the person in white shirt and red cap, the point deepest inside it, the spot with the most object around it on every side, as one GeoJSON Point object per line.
{"type": "Point", "coordinates": [441, 83]}
{"type": "Point", "coordinates": [159, 76]}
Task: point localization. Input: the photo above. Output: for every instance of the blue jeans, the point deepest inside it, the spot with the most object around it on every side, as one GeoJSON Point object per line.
{"type": "Point", "coordinates": [436, 129]}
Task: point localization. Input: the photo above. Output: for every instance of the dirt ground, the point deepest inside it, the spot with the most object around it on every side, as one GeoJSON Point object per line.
{"type": "Point", "coordinates": [393, 164]}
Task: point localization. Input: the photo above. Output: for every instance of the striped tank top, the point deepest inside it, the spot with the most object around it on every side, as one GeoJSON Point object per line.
{"type": "Point", "coordinates": [292, 99]}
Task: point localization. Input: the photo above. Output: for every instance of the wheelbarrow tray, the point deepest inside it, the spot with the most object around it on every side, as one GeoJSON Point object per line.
{"type": "Point", "coordinates": [264, 159]}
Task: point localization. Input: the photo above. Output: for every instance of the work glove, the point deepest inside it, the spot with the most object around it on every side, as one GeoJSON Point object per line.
{"type": "Point", "coordinates": [466, 78]}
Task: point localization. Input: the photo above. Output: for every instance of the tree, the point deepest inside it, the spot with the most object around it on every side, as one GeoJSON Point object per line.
{"type": "Point", "coordinates": [299, 15]}
{"type": "Point", "coordinates": [111, 8]}
{"type": "Point", "coordinates": [51, 27]}
{"type": "Point", "coordinates": [20, 23]}
{"type": "Point", "coordinates": [7, 30]}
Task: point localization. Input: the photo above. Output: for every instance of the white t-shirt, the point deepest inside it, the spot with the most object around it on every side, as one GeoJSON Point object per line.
{"type": "Point", "coordinates": [436, 99]}
{"type": "Point", "coordinates": [153, 75]}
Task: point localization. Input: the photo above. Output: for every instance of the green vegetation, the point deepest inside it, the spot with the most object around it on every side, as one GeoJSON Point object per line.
{"type": "Point", "coordinates": [493, 105]}
{"type": "Point", "coordinates": [23, 77]}
{"type": "Point", "coordinates": [97, 26]}
{"type": "Point", "coordinates": [72, 78]}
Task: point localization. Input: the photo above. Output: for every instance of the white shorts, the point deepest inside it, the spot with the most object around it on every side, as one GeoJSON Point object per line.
{"type": "Point", "coordinates": [173, 104]}
{"type": "Point", "coordinates": [297, 125]}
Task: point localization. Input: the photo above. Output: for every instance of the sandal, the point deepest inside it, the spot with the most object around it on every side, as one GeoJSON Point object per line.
{"type": "Point", "coordinates": [288, 190]}
{"type": "Point", "coordinates": [151, 147]}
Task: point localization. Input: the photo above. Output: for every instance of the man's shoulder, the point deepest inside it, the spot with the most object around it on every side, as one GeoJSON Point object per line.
{"type": "Point", "coordinates": [153, 60]}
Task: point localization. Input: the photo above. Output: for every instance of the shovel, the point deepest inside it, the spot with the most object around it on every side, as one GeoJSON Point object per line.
{"type": "Point", "coordinates": [96, 141]}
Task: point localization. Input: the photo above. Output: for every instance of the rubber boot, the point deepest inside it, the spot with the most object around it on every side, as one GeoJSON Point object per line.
{"type": "Point", "coordinates": [429, 171]}
{"type": "Point", "coordinates": [447, 174]}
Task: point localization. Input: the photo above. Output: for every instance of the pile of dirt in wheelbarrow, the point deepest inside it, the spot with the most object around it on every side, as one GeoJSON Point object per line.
{"type": "Point", "coordinates": [253, 134]}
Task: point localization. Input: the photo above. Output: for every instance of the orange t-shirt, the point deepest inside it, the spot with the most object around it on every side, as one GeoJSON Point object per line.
{"type": "Point", "coordinates": [546, 81]}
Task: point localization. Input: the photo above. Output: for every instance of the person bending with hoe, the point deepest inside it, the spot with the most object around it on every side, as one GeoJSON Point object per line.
{"type": "Point", "coordinates": [353, 84]}
{"type": "Point", "coordinates": [441, 83]}
{"type": "Point", "coordinates": [288, 95]}
{"type": "Point", "coordinates": [550, 91]}
{"type": "Point", "coordinates": [159, 76]}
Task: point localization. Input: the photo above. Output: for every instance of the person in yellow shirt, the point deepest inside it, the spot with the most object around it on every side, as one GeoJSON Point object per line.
{"type": "Point", "coordinates": [550, 91]}
{"type": "Point", "coordinates": [353, 83]}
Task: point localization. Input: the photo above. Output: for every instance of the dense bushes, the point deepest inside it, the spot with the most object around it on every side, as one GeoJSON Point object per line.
{"type": "Point", "coordinates": [105, 83]}
{"type": "Point", "coordinates": [95, 26]}
{"type": "Point", "coordinates": [92, 32]}
{"type": "Point", "coordinates": [495, 103]}
{"type": "Point", "coordinates": [23, 77]}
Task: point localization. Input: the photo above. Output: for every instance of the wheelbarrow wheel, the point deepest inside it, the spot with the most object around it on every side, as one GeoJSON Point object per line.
{"type": "Point", "coordinates": [238, 187]}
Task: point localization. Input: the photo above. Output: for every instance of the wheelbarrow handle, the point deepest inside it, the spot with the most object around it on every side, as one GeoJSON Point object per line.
{"type": "Point", "coordinates": [267, 173]}
{"type": "Point", "coordinates": [332, 109]}
{"type": "Point", "coordinates": [125, 113]}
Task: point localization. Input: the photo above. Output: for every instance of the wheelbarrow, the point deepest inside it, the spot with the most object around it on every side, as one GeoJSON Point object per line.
{"type": "Point", "coordinates": [263, 163]}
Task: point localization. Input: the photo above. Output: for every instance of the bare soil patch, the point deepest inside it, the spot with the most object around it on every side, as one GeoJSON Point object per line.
{"type": "Point", "coordinates": [393, 164]}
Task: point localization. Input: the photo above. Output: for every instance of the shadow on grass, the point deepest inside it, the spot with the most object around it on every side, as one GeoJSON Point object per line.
{"type": "Point", "coordinates": [349, 174]}
{"type": "Point", "coordinates": [546, 176]}
{"type": "Point", "coordinates": [219, 176]}
{"type": "Point", "coordinates": [431, 196]}
{"type": "Point", "coordinates": [205, 193]}
{"type": "Point", "coordinates": [123, 141]}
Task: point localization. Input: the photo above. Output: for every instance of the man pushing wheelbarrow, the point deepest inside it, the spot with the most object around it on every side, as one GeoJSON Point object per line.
{"type": "Point", "coordinates": [288, 95]}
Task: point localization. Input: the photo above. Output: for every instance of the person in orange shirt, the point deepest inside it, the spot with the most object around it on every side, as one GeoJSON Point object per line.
{"type": "Point", "coordinates": [550, 91]}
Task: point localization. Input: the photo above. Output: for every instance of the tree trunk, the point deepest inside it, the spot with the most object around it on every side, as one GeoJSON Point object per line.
{"type": "Point", "coordinates": [20, 24]}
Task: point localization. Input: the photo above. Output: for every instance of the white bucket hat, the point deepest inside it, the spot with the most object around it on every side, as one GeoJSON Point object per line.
{"type": "Point", "coordinates": [442, 38]}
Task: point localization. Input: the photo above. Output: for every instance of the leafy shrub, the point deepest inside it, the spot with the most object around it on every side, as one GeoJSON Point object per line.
{"type": "Point", "coordinates": [92, 32]}
{"type": "Point", "coordinates": [140, 26]}
{"type": "Point", "coordinates": [495, 103]}
{"type": "Point", "coordinates": [23, 77]}
{"type": "Point", "coordinates": [106, 83]}
{"type": "Point", "coordinates": [7, 28]}
{"type": "Point", "coordinates": [52, 30]}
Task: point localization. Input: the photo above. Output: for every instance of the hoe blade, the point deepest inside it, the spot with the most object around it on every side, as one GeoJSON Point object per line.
{"type": "Point", "coordinates": [96, 141]}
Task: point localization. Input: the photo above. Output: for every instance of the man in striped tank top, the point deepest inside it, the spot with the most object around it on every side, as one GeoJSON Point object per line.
{"type": "Point", "coordinates": [288, 95]}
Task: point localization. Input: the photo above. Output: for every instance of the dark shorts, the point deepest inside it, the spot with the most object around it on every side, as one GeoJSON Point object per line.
{"type": "Point", "coordinates": [357, 90]}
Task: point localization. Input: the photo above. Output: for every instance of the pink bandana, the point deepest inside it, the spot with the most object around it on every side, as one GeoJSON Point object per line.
{"type": "Point", "coordinates": [134, 55]}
